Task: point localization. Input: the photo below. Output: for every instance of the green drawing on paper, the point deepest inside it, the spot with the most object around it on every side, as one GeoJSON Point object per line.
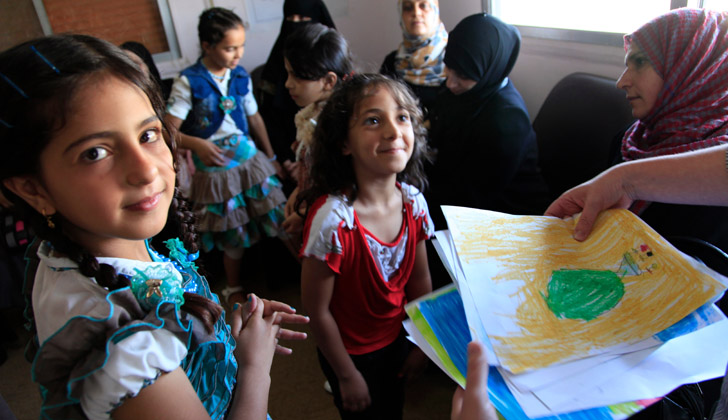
{"type": "Point", "coordinates": [583, 294]}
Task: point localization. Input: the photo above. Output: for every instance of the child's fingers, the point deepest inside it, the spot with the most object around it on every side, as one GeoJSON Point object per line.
{"type": "Point", "coordinates": [253, 307]}
{"type": "Point", "coordinates": [275, 330]}
{"type": "Point", "coordinates": [286, 334]}
{"type": "Point", "coordinates": [283, 318]}
{"type": "Point", "coordinates": [275, 306]}
{"type": "Point", "coordinates": [236, 321]}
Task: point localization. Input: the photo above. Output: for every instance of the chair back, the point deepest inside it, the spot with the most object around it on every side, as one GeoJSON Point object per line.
{"type": "Point", "coordinates": [576, 128]}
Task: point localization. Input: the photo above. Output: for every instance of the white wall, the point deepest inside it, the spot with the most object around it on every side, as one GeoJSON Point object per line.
{"type": "Point", "coordinates": [372, 29]}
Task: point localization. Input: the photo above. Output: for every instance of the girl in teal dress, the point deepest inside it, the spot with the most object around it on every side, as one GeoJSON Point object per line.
{"type": "Point", "coordinates": [121, 329]}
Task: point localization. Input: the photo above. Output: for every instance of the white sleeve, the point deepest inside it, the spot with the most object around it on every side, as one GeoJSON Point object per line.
{"type": "Point", "coordinates": [179, 103]}
{"type": "Point", "coordinates": [132, 364]}
{"type": "Point", "coordinates": [249, 103]}
{"type": "Point", "coordinates": [323, 237]}
{"type": "Point", "coordinates": [420, 209]}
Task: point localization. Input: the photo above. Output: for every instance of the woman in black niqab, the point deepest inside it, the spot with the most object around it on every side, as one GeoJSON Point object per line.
{"type": "Point", "coordinates": [276, 105]}
{"type": "Point", "coordinates": [487, 154]}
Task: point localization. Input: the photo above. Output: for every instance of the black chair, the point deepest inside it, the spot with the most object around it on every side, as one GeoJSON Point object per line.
{"type": "Point", "coordinates": [576, 128]}
{"type": "Point", "coordinates": [716, 259]}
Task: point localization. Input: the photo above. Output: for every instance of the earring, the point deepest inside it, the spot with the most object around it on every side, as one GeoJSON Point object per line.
{"type": "Point", "coordinates": [48, 219]}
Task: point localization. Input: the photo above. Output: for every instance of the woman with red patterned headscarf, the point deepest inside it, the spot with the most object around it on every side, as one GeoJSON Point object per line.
{"type": "Point", "coordinates": [676, 80]}
{"type": "Point", "coordinates": [688, 50]}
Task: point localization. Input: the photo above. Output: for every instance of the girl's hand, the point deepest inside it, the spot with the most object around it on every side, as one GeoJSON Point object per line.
{"type": "Point", "coordinates": [291, 203]}
{"type": "Point", "coordinates": [355, 393]}
{"type": "Point", "coordinates": [257, 338]}
{"type": "Point", "coordinates": [293, 224]}
{"type": "Point", "coordinates": [279, 170]}
{"type": "Point", "coordinates": [414, 365]}
{"type": "Point", "coordinates": [292, 169]}
{"type": "Point", "coordinates": [210, 154]}
{"type": "Point", "coordinates": [284, 314]}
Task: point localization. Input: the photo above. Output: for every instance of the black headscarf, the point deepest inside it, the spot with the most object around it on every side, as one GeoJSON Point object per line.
{"type": "Point", "coordinates": [482, 48]}
{"type": "Point", "coordinates": [487, 154]}
{"type": "Point", "coordinates": [276, 105]}
{"type": "Point", "coordinates": [274, 69]}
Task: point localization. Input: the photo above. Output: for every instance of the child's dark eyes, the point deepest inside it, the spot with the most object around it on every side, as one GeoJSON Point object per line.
{"type": "Point", "coordinates": [371, 121]}
{"type": "Point", "coordinates": [404, 117]}
{"type": "Point", "coordinates": [94, 154]}
{"type": "Point", "coordinates": [150, 136]}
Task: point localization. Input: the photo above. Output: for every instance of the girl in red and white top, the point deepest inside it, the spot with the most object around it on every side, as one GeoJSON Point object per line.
{"type": "Point", "coordinates": [364, 253]}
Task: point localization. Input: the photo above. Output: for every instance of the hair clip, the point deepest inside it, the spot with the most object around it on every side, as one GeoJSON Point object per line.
{"type": "Point", "coordinates": [10, 82]}
{"type": "Point", "coordinates": [156, 284]}
{"type": "Point", "coordinates": [32, 47]}
{"type": "Point", "coordinates": [5, 123]}
{"type": "Point", "coordinates": [347, 76]}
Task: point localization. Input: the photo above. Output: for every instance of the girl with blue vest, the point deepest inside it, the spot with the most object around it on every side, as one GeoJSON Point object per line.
{"type": "Point", "coordinates": [236, 194]}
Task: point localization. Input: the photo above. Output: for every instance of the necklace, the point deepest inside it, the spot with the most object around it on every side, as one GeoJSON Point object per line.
{"type": "Point", "coordinates": [218, 78]}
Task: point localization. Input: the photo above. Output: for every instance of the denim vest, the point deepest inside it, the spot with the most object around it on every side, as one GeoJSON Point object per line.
{"type": "Point", "coordinates": [208, 111]}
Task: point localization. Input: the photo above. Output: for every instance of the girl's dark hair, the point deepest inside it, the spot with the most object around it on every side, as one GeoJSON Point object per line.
{"type": "Point", "coordinates": [214, 22]}
{"type": "Point", "coordinates": [315, 49]}
{"type": "Point", "coordinates": [142, 52]}
{"type": "Point", "coordinates": [38, 79]}
{"type": "Point", "coordinates": [332, 171]}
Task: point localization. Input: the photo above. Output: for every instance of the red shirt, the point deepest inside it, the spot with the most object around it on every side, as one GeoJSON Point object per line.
{"type": "Point", "coordinates": [368, 308]}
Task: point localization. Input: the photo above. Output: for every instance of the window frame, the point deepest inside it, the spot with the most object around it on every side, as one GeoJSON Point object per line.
{"type": "Point", "coordinates": [574, 35]}
{"type": "Point", "coordinates": [167, 23]}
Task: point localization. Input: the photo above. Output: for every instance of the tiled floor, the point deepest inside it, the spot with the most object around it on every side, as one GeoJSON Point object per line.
{"type": "Point", "coordinates": [297, 382]}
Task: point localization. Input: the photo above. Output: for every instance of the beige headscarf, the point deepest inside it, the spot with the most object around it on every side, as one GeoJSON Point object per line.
{"type": "Point", "coordinates": [419, 60]}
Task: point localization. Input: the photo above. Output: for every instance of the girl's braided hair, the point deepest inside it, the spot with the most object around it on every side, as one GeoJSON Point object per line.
{"type": "Point", "coordinates": [37, 80]}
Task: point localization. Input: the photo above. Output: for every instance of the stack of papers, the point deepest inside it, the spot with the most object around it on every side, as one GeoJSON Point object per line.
{"type": "Point", "coordinates": [593, 329]}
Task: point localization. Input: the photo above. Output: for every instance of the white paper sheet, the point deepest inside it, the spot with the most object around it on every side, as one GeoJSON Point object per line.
{"type": "Point", "coordinates": [691, 358]}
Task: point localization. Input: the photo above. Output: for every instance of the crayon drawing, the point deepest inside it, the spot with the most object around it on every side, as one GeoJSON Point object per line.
{"type": "Point", "coordinates": [441, 319]}
{"type": "Point", "coordinates": [551, 299]}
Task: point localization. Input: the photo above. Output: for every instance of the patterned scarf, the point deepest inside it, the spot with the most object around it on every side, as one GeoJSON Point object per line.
{"type": "Point", "coordinates": [419, 60]}
{"type": "Point", "coordinates": [688, 48]}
